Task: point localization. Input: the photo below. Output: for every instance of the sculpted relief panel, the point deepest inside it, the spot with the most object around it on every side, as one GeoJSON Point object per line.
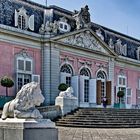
{"type": "Point", "coordinates": [85, 40]}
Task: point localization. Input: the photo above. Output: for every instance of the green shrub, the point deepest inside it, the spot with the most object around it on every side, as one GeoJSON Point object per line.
{"type": "Point", "coordinates": [62, 87]}
{"type": "Point", "coordinates": [120, 94]}
{"type": "Point", "coordinates": [7, 82]}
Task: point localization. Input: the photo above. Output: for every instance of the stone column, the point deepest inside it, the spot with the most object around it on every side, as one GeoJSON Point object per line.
{"type": "Point", "coordinates": [54, 72]}
{"type": "Point", "coordinates": [111, 78]}
{"type": "Point", "coordinates": [50, 73]}
{"type": "Point", "coordinates": [46, 73]}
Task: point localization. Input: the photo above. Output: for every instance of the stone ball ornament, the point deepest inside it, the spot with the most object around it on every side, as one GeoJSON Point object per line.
{"type": "Point", "coordinates": [25, 102]}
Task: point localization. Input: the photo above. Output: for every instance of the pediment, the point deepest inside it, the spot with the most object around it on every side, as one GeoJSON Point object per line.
{"type": "Point", "coordinates": [85, 39]}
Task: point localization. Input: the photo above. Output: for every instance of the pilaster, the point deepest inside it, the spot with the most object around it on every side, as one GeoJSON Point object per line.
{"type": "Point", "coordinates": [111, 78]}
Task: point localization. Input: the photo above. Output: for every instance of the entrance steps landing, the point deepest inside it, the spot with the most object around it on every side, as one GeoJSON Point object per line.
{"type": "Point", "coordinates": [101, 118]}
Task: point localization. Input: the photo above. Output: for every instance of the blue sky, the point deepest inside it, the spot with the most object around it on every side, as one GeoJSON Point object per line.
{"type": "Point", "coordinates": [120, 15]}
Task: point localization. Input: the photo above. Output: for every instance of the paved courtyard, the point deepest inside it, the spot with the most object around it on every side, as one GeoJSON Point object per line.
{"type": "Point", "coordinates": [67, 133]}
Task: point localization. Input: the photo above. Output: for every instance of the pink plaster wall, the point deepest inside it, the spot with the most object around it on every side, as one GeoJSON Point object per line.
{"type": "Point", "coordinates": [131, 74]}
{"type": "Point", "coordinates": [132, 79]}
{"type": "Point", "coordinates": [75, 61]}
{"type": "Point", "coordinates": [7, 59]}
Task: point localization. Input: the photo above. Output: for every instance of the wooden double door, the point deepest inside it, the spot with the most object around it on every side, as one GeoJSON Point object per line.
{"type": "Point", "coordinates": [103, 90]}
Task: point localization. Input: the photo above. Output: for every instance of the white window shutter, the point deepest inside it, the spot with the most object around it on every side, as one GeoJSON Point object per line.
{"type": "Point", "coordinates": [74, 84]}
{"type": "Point", "coordinates": [117, 89]}
{"type": "Point", "coordinates": [82, 78]}
{"type": "Point", "coordinates": [139, 83]}
{"type": "Point", "coordinates": [92, 90]}
{"type": "Point", "coordinates": [63, 77]}
{"type": "Point", "coordinates": [16, 18]}
{"type": "Point", "coordinates": [31, 22]}
{"type": "Point", "coordinates": [36, 78]}
{"type": "Point", "coordinates": [128, 96]}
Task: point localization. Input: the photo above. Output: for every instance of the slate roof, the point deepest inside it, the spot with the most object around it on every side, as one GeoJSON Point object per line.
{"type": "Point", "coordinates": [7, 9]}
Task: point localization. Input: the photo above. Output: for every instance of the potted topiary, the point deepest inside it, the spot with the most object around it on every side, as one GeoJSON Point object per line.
{"type": "Point", "coordinates": [62, 87]}
{"type": "Point", "coordinates": [7, 82]}
{"type": "Point", "coordinates": [120, 95]}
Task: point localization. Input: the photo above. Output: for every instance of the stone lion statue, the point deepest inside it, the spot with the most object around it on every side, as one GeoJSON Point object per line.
{"type": "Point", "coordinates": [23, 106]}
{"type": "Point", "coordinates": [67, 93]}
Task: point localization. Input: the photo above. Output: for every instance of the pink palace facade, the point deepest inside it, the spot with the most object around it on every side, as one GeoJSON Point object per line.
{"type": "Point", "coordinates": [51, 45]}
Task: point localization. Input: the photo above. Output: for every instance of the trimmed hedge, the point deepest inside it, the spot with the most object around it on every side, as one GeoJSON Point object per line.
{"type": "Point", "coordinates": [62, 87]}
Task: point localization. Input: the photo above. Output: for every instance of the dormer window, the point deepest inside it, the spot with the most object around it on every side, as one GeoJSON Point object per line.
{"type": "Point", "coordinates": [22, 20]}
{"type": "Point", "coordinates": [63, 25]}
{"type": "Point", "coordinates": [138, 53]}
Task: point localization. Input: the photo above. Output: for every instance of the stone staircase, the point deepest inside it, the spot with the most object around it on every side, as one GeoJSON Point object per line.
{"type": "Point", "coordinates": [102, 118]}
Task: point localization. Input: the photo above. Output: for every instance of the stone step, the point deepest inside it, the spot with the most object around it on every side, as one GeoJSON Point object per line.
{"type": "Point", "coordinates": [100, 121]}
{"type": "Point", "coordinates": [106, 109]}
{"type": "Point", "coordinates": [123, 114]}
{"type": "Point", "coordinates": [111, 115]}
{"type": "Point", "coordinates": [77, 118]}
{"type": "Point", "coordinates": [101, 125]}
{"type": "Point", "coordinates": [115, 111]}
{"type": "Point", "coordinates": [102, 118]}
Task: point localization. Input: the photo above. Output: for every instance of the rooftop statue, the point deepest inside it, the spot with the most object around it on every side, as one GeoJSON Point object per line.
{"type": "Point", "coordinates": [82, 18]}
{"type": "Point", "coordinates": [23, 106]}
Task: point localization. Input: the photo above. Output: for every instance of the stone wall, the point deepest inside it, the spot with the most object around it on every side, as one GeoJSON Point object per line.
{"type": "Point", "coordinates": [50, 112]}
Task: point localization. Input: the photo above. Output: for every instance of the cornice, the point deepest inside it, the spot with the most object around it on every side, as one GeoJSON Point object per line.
{"type": "Point", "coordinates": [19, 33]}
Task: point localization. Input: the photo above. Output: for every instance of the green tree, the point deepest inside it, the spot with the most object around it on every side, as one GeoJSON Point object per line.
{"type": "Point", "coordinates": [62, 87]}
{"type": "Point", "coordinates": [7, 82]}
{"type": "Point", "coordinates": [120, 95]}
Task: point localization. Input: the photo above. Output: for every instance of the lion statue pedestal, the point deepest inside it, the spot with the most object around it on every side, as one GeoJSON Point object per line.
{"type": "Point", "coordinates": [21, 120]}
{"type": "Point", "coordinates": [66, 101]}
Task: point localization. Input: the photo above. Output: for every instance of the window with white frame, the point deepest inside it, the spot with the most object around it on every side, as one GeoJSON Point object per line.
{"type": "Point", "coordinates": [138, 53]}
{"type": "Point", "coordinates": [24, 65]}
{"type": "Point", "coordinates": [139, 83]}
{"type": "Point", "coordinates": [21, 22]}
{"type": "Point", "coordinates": [86, 90]}
{"type": "Point", "coordinates": [122, 85]}
{"type": "Point", "coordinates": [86, 73]}
{"type": "Point", "coordinates": [24, 71]}
{"type": "Point", "coordinates": [67, 71]}
{"type": "Point", "coordinates": [64, 27]}
{"type": "Point", "coordinates": [121, 81]}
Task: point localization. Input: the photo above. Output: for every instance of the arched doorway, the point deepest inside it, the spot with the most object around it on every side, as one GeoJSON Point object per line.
{"type": "Point", "coordinates": [85, 76]}
{"type": "Point", "coordinates": [103, 88]}
{"type": "Point", "coordinates": [101, 76]}
{"type": "Point", "coordinates": [84, 86]}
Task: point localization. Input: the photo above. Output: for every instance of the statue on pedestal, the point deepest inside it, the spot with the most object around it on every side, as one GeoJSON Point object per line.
{"type": "Point", "coordinates": [23, 106]}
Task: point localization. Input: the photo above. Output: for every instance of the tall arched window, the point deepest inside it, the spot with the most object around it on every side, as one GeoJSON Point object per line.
{"type": "Point", "coordinates": [86, 73]}
{"type": "Point", "coordinates": [66, 68]}
{"type": "Point", "coordinates": [66, 73]}
{"type": "Point", "coordinates": [102, 76]}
